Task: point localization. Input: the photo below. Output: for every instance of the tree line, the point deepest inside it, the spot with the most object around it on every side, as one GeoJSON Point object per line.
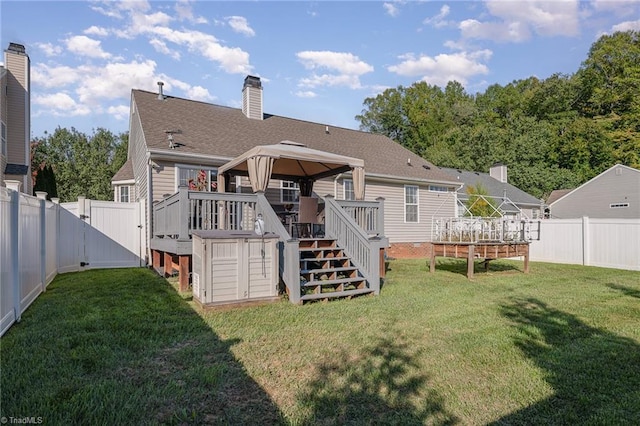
{"type": "Point", "coordinates": [70, 163]}
{"type": "Point", "coordinates": [552, 133]}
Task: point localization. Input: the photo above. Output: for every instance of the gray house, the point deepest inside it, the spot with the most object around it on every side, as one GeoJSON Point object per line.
{"type": "Point", "coordinates": [178, 143]}
{"type": "Point", "coordinates": [15, 119]}
{"type": "Point", "coordinates": [512, 201]}
{"type": "Point", "coordinates": [614, 193]}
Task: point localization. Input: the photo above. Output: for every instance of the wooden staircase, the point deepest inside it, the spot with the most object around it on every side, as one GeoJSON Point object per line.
{"type": "Point", "coordinates": [326, 272]}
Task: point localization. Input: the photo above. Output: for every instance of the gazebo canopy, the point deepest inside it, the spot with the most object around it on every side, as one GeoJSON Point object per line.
{"type": "Point", "coordinates": [291, 161]}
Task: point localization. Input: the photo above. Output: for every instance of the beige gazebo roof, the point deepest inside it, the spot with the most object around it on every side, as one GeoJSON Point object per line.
{"type": "Point", "coordinates": [291, 161]}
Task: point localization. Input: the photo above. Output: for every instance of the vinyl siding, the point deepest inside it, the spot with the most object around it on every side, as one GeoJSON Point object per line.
{"type": "Point", "coordinates": [164, 180]}
{"type": "Point", "coordinates": [594, 198]}
{"type": "Point", "coordinates": [138, 154]}
{"type": "Point", "coordinates": [18, 115]}
{"type": "Point", "coordinates": [396, 230]}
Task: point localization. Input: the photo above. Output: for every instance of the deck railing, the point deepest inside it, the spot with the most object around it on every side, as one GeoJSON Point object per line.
{"type": "Point", "coordinates": [363, 249]}
{"type": "Point", "coordinates": [484, 229]}
{"type": "Point", "coordinates": [369, 215]}
{"type": "Point", "coordinates": [179, 214]}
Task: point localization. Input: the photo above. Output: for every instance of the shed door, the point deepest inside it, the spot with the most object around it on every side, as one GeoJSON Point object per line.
{"type": "Point", "coordinates": [225, 261]}
{"type": "Point", "coordinates": [261, 282]}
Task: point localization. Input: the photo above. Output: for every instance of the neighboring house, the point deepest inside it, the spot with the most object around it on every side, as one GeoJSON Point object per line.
{"type": "Point", "coordinates": [511, 200]}
{"type": "Point", "coordinates": [174, 142]}
{"type": "Point", "coordinates": [124, 184]}
{"type": "Point", "coordinates": [614, 193]}
{"type": "Point", "coordinates": [15, 117]}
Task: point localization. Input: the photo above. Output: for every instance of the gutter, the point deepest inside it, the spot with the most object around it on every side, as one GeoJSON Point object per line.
{"type": "Point", "coordinates": [172, 155]}
{"type": "Point", "coordinates": [395, 179]}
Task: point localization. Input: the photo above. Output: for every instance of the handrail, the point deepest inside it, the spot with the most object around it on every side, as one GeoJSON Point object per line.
{"type": "Point", "coordinates": [363, 250]}
{"type": "Point", "coordinates": [369, 215]}
{"type": "Point", "coordinates": [289, 264]}
{"type": "Point", "coordinates": [179, 214]}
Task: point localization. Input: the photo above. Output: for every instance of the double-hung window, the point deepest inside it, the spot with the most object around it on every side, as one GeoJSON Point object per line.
{"type": "Point", "coordinates": [198, 178]}
{"type": "Point", "coordinates": [411, 210]}
{"type": "Point", "coordinates": [289, 192]}
{"type": "Point", "coordinates": [349, 194]}
{"type": "Point", "coordinates": [124, 194]}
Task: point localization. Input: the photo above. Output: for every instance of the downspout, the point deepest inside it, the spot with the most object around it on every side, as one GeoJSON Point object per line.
{"type": "Point", "coordinates": [335, 186]}
{"type": "Point", "coordinates": [149, 227]}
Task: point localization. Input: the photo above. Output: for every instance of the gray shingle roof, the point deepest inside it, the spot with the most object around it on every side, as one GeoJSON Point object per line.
{"type": "Point", "coordinates": [556, 194]}
{"type": "Point", "coordinates": [207, 129]}
{"type": "Point", "coordinates": [125, 172]}
{"type": "Point", "coordinates": [494, 187]}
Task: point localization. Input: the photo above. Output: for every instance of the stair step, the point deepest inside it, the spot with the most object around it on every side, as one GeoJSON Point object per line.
{"type": "Point", "coordinates": [328, 270]}
{"type": "Point", "coordinates": [346, 293]}
{"type": "Point", "coordinates": [332, 282]}
{"type": "Point", "coordinates": [323, 259]}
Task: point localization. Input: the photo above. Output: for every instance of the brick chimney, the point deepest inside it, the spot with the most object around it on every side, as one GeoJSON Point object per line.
{"type": "Point", "coordinates": [499, 171]}
{"type": "Point", "coordinates": [252, 97]}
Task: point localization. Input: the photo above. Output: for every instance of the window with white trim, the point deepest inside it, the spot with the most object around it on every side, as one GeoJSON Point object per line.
{"type": "Point", "coordinates": [438, 188]}
{"type": "Point", "coordinates": [198, 178]}
{"type": "Point", "coordinates": [349, 193]}
{"type": "Point", "coordinates": [411, 210]}
{"type": "Point", "coordinates": [289, 191]}
{"type": "Point", "coordinates": [123, 195]}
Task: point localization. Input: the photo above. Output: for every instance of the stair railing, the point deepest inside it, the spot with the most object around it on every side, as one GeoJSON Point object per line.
{"type": "Point", "coordinates": [363, 250]}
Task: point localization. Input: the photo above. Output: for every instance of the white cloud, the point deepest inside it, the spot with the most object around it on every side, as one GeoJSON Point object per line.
{"type": "Point", "coordinates": [51, 77]}
{"type": "Point", "coordinates": [626, 26]}
{"type": "Point", "coordinates": [49, 49]}
{"type": "Point", "coordinates": [97, 31]}
{"type": "Point", "coordinates": [517, 20]}
{"type": "Point", "coordinates": [185, 12]}
{"type": "Point", "coordinates": [438, 21]}
{"type": "Point", "coordinates": [496, 31]}
{"type": "Point", "coordinates": [240, 25]}
{"type": "Point", "coordinates": [85, 46]}
{"type": "Point", "coordinates": [306, 94]}
{"type": "Point", "coordinates": [347, 69]}
{"type": "Point", "coordinates": [346, 63]}
{"type": "Point", "coordinates": [391, 9]}
{"type": "Point", "coordinates": [161, 46]}
{"type": "Point", "coordinates": [115, 81]}
{"type": "Point", "coordinates": [441, 69]}
{"type": "Point", "coordinates": [199, 93]}
{"type": "Point", "coordinates": [59, 104]}
{"type": "Point", "coordinates": [119, 112]}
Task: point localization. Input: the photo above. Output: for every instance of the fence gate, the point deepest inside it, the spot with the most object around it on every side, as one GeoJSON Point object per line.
{"type": "Point", "coordinates": [100, 234]}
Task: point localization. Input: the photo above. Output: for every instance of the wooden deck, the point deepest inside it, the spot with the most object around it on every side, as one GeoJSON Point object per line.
{"type": "Point", "coordinates": [479, 250]}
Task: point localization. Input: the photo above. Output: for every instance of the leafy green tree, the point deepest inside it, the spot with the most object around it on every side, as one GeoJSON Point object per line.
{"type": "Point", "coordinates": [82, 165]}
{"type": "Point", "coordinates": [479, 202]}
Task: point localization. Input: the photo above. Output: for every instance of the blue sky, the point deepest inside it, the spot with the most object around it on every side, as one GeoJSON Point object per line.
{"type": "Point", "coordinates": [318, 61]}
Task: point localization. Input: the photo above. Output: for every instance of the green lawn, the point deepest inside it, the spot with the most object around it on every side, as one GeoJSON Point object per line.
{"type": "Point", "coordinates": [560, 345]}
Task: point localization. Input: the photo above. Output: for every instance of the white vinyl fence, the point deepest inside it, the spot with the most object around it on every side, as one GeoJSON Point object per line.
{"type": "Point", "coordinates": [608, 243]}
{"type": "Point", "coordinates": [39, 239]}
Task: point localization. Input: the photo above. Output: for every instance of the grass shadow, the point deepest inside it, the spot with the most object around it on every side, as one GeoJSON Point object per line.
{"type": "Point", "coordinates": [382, 384]}
{"type": "Point", "coordinates": [122, 347]}
{"type": "Point", "coordinates": [595, 374]}
{"type": "Point", "coordinates": [459, 266]}
{"type": "Point", "coordinates": [627, 291]}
